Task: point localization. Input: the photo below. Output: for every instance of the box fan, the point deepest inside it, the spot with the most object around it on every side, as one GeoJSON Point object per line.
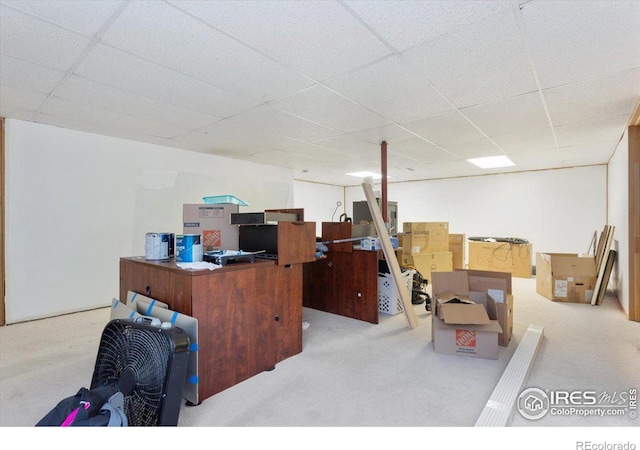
{"type": "Point", "coordinates": [147, 361]}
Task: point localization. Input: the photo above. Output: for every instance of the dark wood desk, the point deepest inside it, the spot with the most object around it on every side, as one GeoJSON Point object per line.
{"type": "Point", "coordinates": [249, 314]}
{"type": "Point", "coordinates": [344, 283]}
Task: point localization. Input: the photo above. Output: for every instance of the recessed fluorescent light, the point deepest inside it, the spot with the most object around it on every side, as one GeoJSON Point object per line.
{"type": "Point", "coordinates": [377, 176]}
{"type": "Point", "coordinates": [491, 162]}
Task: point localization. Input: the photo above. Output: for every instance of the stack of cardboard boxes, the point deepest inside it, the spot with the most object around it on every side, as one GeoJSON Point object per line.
{"type": "Point", "coordinates": [473, 312]}
{"type": "Point", "coordinates": [430, 248]}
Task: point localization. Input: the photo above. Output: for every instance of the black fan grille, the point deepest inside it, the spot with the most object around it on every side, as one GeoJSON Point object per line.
{"type": "Point", "coordinates": [137, 362]}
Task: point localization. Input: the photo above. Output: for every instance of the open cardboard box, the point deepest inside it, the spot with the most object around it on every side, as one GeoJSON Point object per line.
{"type": "Point", "coordinates": [465, 322]}
{"type": "Point", "coordinates": [493, 313]}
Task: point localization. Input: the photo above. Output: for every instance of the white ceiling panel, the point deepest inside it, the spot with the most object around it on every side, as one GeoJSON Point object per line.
{"type": "Point", "coordinates": [589, 153]}
{"type": "Point", "coordinates": [28, 76]}
{"type": "Point", "coordinates": [593, 100]}
{"type": "Point", "coordinates": [81, 112]}
{"type": "Point", "coordinates": [586, 132]}
{"type": "Point", "coordinates": [30, 39]}
{"type": "Point", "coordinates": [573, 41]}
{"type": "Point", "coordinates": [390, 133]}
{"type": "Point", "coordinates": [167, 36]}
{"type": "Point", "coordinates": [421, 151]}
{"type": "Point", "coordinates": [15, 112]}
{"type": "Point", "coordinates": [352, 144]}
{"type": "Point", "coordinates": [131, 73]}
{"type": "Point", "coordinates": [269, 119]}
{"type": "Point", "coordinates": [97, 95]}
{"type": "Point", "coordinates": [323, 106]}
{"type": "Point", "coordinates": [405, 24]}
{"type": "Point", "coordinates": [481, 63]}
{"type": "Point", "coordinates": [317, 86]}
{"type": "Point", "coordinates": [474, 149]}
{"type": "Point", "coordinates": [530, 140]}
{"type": "Point", "coordinates": [537, 159]}
{"type": "Point", "coordinates": [319, 153]}
{"type": "Point", "coordinates": [392, 89]}
{"type": "Point", "coordinates": [86, 17]}
{"type": "Point", "coordinates": [20, 98]}
{"type": "Point", "coordinates": [509, 116]}
{"type": "Point", "coordinates": [314, 49]}
{"type": "Point", "coordinates": [447, 128]}
{"type": "Point", "coordinates": [104, 128]}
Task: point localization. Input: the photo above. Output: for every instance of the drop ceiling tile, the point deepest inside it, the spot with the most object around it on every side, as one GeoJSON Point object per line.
{"type": "Point", "coordinates": [392, 89]}
{"type": "Point", "coordinates": [392, 134]}
{"type": "Point", "coordinates": [282, 159]}
{"type": "Point", "coordinates": [88, 127]}
{"type": "Point", "coordinates": [483, 62]}
{"type": "Point", "coordinates": [474, 149]}
{"type": "Point", "coordinates": [106, 120]}
{"type": "Point", "coordinates": [28, 76]}
{"type": "Point", "coordinates": [85, 17]}
{"type": "Point", "coordinates": [20, 99]}
{"type": "Point", "coordinates": [587, 132]}
{"type": "Point", "coordinates": [447, 128]}
{"type": "Point", "coordinates": [122, 70]}
{"type": "Point", "coordinates": [589, 153]}
{"type": "Point", "coordinates": [455, 169]}
{"type": "Point", "coordinates": [100, 96]}
{"type": "Point", "coordinates": [512, 115]}
{"type": "Point", "coordinates": [321, 105]}
{"type": "Point", "coordinates": [34, 40]}
{"type": "Point", "coordinates": [536, 159]}
{"type": "Point", "coordinates": [163, 34]}
{"type": "Point", "coordinates": [406, 24]}
{"type": "Point", "coordinates": [572, 41]}
{"type": "Point", "coordinates": [267, 119]}
{"type": "Point", "coordinates": [540, 139]}
{"type": "Point", "coordinates": [353, 144]}
{"type": "Point", "coordinates": [323, 38]}
{"type": "Point", "coordinates": [421, 151]}
{"type": "Point", "coordinates": [242, 136]}
{"type": "Point", "coordinates": [15, 113]}
{"type": "Point", "coordinates": [319, 153]}
{"type": "Point", "coordinates": [593, 100]}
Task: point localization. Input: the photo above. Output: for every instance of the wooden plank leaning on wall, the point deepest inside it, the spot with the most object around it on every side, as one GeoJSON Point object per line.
{"type": "Point", "coordinates": [2, 290]}
{"type": "Point", "coordinates": [634, 216]}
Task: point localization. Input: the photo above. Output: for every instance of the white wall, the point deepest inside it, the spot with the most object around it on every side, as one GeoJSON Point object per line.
{"type": "Point", "coordinates": [320, 202]}
{"type": "Point", "coordinates": [618, 195]}
{"type": "Point", "coordinates": [76, 202]}
{"type": "Point", "coordinates": [555, 210]}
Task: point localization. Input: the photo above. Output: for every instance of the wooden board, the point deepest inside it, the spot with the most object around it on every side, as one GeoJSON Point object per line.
{"type": "Point", "coordinates": [390, 255]}
{"type": "Point", "coordinates": [600, 269]}
{"type": "Point", "coordinates": [608, 267]}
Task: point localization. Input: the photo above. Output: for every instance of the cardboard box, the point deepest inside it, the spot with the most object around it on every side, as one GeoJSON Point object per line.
{"type": "Point", "coordinates": [458, 246]}
{"type": "Point", "coordinates": [565, 277]}
{"type": "Point", "coordinates": [459, 327]}
{"type": "Point", "coordinates": [213, 223]}
{"type": "Point", "coordinates": [492, 289]}
{"type": "Point", "coordinates": [501, 257]}
{"type": "Point", "coordinates": [373, 243]}
{"type": "Point", "coordinates": [428, 263]}
{"type": "Point", "coordinates": [425, 237]}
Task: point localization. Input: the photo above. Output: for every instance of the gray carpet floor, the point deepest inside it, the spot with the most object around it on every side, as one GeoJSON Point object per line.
{"type": "Point", "coordinates": [352, 373]}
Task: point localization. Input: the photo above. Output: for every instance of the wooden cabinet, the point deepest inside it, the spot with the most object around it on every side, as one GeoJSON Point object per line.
{"type": "Point", "coordinates": [249, 314]}
{"type": "Point", "coordinates": [344, 284]}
